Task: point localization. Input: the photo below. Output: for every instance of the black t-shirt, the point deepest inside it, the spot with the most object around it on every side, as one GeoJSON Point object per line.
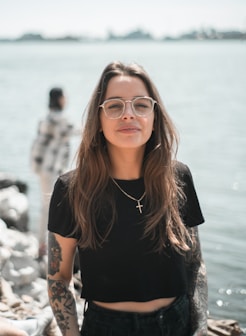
{"type": "Point", "coordinates": [125, 268]}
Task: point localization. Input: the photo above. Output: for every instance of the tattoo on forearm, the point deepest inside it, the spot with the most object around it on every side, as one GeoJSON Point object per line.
{"type": "Point", "coordinates": [198, 290]}
{"type": "Point", "coordinates": [201, 296]}
{"type": "Point", "coordinates": [54, 255]}
{"type": "Point", "coordinates": [61, 296]}
{"type": "Point", "coordinates": [63, 304]}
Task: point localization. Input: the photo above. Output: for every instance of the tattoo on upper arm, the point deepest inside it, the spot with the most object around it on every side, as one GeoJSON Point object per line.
{"type": "Point", "coordinates": [54, 255]}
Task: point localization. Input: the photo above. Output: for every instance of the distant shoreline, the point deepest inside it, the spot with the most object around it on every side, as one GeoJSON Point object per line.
{"type": "Point", "coordinates": [136, 35]}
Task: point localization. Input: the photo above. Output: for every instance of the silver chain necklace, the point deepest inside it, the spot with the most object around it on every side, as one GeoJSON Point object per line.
{"type": "Point", "coordinates": [139, 206]}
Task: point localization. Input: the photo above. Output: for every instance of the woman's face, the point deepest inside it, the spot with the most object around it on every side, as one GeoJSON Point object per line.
{"type": "Point", "coordinates": [129, 131]}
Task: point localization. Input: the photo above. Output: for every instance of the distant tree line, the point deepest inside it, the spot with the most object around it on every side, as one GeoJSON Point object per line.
{"type": "Point", "coordinates": [203, 34]}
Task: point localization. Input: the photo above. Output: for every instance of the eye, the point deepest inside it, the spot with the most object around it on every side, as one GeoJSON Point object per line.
{"type": "Point", "coordinates": [114, 105]}
{"type": "Point", "coordinates": [142, 104]}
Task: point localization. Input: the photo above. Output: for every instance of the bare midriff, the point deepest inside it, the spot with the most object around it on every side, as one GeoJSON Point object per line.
{"type": "Point", "coordinates": [137, 307]}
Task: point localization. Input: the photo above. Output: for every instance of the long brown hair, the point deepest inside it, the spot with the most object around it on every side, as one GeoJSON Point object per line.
{"type": "Point", "coordinates": [90, 186]}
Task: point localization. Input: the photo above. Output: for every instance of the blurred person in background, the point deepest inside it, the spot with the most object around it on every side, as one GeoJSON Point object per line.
{"type": "Point", "coordinates": [50, 154]}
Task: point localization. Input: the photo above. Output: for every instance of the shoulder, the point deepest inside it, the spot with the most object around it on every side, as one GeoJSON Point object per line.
{"type": "Point", "coordinates": [60, 194]}
{"type": "Point", "coordinates": [61, 219]}
{"type": "Point", "coordinates": [189, 206]}
{"type": "Point", "coordinates": [65, 179]}
{"type": "Point", "coordinates": [183, 176]}
{"type": "Point", "coordinates": [181, 169]}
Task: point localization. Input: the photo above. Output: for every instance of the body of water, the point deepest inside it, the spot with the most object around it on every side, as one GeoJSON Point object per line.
{"type": "Point", "coordinates": [203, 85]}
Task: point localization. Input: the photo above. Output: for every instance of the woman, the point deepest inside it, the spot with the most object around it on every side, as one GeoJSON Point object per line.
{"type": "Point", "coordinates": [50, 155]}
{"type": "Point", "coordinates": [132, 211]}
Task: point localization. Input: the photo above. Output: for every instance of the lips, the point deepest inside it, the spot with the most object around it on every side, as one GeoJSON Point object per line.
{"type": "Point", "coordinates": [128, 129]}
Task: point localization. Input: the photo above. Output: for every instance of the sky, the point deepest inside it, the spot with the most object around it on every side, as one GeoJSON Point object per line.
{"type": "Point", "coordinates": [96, 18]}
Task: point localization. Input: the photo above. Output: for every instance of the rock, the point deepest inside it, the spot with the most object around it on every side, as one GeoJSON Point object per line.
{"type": "Point", "coordinates": [8, 180]}
{"type": "Point", "coordinates": [35, 326]}
{"type": "Point", "coordinates": [18, 241]}
{"type": "Point", "coordinates": [223, 328]}
{"type": "Point", "coordinates": [37, 291]}
{"type": "Point", "coordinates": [13, 202]}
{"type": "Point", "coordinates": [14, 208]}
{"type": "Point", "coordinates": [20, 270]}
{"type": "Point", "coordinates": [7, 329]}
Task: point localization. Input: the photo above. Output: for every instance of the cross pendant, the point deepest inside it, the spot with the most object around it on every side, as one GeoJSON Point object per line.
{"type": "Point", "coordinates": [139, 206]}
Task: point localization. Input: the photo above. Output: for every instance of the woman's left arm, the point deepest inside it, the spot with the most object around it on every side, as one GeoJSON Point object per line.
{"type": "Point", "coordinates": [198, 288]}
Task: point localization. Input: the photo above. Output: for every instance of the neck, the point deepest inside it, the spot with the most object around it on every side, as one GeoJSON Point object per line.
{"type": "Point", "coordinates": [126, 164]}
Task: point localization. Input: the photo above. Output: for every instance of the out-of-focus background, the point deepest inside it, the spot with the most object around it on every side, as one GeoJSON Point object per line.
{"type": "Point", "coordinates": [196, 53]}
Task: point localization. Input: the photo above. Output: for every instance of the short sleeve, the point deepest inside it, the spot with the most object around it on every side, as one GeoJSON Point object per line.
{"type": "Point", "coordinates": [60, 219]}
{"type": "Point", "coordinates": [190, 209]}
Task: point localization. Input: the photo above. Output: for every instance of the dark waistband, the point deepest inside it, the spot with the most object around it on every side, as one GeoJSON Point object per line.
{"type": "Point", "coordinates": [178, 304]}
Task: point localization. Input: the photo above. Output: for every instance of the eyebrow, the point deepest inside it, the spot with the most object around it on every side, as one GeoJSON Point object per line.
{"type": "Point", "coordinates": [122, 98]}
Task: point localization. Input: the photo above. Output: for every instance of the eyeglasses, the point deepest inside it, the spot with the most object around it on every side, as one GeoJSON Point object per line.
{"type": "Point", "coordinates": [141, 106]}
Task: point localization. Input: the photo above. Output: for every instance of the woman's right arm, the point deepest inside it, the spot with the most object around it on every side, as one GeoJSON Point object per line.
{"type": "Point", "coordinates": [61, 252]}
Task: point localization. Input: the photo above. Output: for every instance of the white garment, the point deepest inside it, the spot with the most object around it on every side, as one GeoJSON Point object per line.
{"type": "Point", "coordinates": [50, 148]}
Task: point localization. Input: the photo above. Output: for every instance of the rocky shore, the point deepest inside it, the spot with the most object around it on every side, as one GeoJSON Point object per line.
{"type": "Point", "coordinates": [24, 304]}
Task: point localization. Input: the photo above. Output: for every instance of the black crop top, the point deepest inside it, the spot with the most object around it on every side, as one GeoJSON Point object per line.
{"type": "Point", "coordinates": [125, 268]}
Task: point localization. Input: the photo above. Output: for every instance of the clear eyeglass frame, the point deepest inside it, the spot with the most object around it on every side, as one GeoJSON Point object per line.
{"type": "Point", "coordinates": [114, 108]}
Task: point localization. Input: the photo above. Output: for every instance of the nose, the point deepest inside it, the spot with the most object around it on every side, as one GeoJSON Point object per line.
{"type": "Point", "coordinates": [128, 113]}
